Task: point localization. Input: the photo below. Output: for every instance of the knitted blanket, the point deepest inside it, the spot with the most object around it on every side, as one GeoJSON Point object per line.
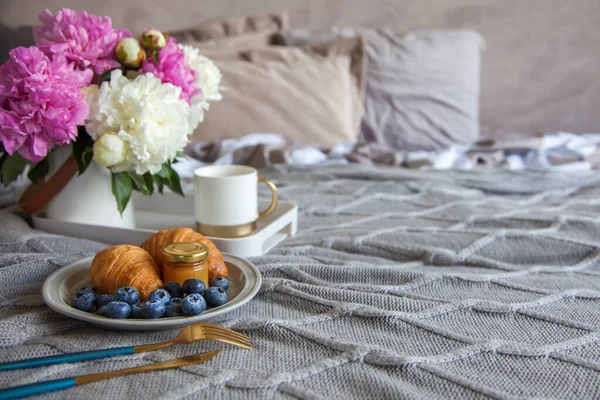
{"type": "Point", "coordinates": [399, 284]}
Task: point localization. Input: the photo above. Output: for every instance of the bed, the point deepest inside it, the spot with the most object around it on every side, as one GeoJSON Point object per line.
{"type": "Point", "coordinates": [401, 282]}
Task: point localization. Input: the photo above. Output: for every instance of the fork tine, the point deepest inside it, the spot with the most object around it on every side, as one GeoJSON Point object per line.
{"type": "Point", "coordinates": [217, 328]}
{"type": "Point", "coordinates": [230, 341]}
{"type": "Point", "coordinates": [223, 329]}
{"type": "Point", "coordinates": [226, 335]}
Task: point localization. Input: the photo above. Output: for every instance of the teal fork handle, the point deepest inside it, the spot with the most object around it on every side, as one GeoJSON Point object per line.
{"type": "Point", "coordinates": [67, 358]}
{"type": "Point", "coordinates": [36, 388]}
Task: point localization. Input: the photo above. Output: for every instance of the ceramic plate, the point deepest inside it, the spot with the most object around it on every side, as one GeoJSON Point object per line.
{"type": "Point", "coordinates": [244, 282]}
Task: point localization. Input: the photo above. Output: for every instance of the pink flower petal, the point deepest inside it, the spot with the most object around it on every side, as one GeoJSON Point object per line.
{"type": "Point", "coordinates": [171, 68]}
{"type": "Point", "coordinates": [41, 102]}
{"type": "Point", "coordinates": [84, 39]}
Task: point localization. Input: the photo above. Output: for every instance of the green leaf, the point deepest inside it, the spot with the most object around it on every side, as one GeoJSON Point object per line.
{"type": "Point", "coordinates": [164, 172]}
{"type": "Point", "coordinates": [39, 171]}
{"type": "Point", "coordinates": [155, 55]}
{"type": "Point", "coordinates": [12, 167]}
{"type": "Point", "coordinates": [122, 187]}
{"type": "Point", "coordinates": [149, 181]}
{"type": "Point", "coordinates": [160, 182]}
{"type": "Point", "coordinates": [83, 149]}
{"type": "Point", "coordinates": [142, 183]}
{"type": "Point", "coordinates": [175, 185]}
{"type": "Point", "coordinates": [106, 75]}
{"type": "Point", "coordinates": [169, 178]}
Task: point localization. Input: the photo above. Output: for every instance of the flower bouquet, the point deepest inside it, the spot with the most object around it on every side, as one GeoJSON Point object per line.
{"type": "Point", "coordinates": [128, 105]}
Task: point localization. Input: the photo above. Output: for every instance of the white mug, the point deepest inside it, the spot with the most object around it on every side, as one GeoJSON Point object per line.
{"type": "Point", "coordinates": [226, 200]}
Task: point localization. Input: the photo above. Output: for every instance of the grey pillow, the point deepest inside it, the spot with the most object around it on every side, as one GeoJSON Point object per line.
{"type": "Point", "coordinates": [422, 86]}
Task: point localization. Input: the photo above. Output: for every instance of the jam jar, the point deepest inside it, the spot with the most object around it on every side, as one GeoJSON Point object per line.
{"type": "Point", "coordinates": [185, 260]}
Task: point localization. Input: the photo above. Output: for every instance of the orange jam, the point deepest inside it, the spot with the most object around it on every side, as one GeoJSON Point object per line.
{"type": "Point", "coordinates": [185, 260]}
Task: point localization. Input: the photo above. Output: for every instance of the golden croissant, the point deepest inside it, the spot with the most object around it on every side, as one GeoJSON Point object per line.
{"type": "Point", "coordinates": [157, 242]}
{"type": "Point", "coordinates": [125, 265]}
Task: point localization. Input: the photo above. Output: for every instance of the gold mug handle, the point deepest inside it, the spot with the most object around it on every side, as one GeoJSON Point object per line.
{"type": "Point", "coordinates": [274, 196]}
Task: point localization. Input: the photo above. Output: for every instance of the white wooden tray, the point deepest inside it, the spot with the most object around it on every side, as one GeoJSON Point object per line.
{"type": "Point", "coordinates": [172, 211]}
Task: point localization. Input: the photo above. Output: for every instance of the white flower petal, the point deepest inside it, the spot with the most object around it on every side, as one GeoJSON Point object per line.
{"type": "Point", "coordinates": [148, 115]}
{"type": "Point", "coordinates": [208, 78]}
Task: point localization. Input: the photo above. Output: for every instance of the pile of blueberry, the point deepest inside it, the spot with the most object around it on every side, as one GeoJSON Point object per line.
{"type": "Point", "coordinates": [173, 300]}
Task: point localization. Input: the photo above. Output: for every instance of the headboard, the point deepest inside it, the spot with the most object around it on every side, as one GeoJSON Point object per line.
{"type": "Point", "coordinates": [540, 69]}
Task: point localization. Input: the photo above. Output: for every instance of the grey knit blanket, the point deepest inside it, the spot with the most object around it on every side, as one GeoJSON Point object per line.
{"type": "Point", "coordinates": [399, 284]}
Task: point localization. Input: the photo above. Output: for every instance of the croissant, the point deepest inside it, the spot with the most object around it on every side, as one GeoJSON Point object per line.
{"type": "Point", "coordinates": [125, 265]}
{"type": "Point", "coordinates": [157, 242]}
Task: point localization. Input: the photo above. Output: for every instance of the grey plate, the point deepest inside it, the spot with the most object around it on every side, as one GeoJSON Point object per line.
{"type": "Point", "coordinates": [244, 282]}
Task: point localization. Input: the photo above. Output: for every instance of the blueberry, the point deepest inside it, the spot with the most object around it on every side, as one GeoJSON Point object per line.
{"type": "Point", "coordinates": [193, 304]}
{"type": "Point", "coordinates": [174, 289]}
{"type": "Point", "coordinates": [103, 300]}
{"type": "Point", "coordinates": [215, 296]}
{"type": "Point", "coordinates": [136, 311]}
{"type": "Point", "coordinates": [219, 282]}
{"type": "Point", "coordinates": [194, 286]}
{"type": "Point", "coordinates": [128, 294]}
{"type": "Point", "coordinates": [116, 309]}
{"type": "Point", "coordinates": [160, 295]}
{"type": "Point", "coordinates": [173, 308]}
{"type": "Point", "coordinates": [88, 288]}
{"type": "Point", "coordinates": [83, 301]}
{"type": "Point", "coordinates": [153, 309]}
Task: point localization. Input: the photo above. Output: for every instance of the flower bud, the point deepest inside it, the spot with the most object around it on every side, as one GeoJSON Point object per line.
{"type": "Point", "coordinates": [109, 150]}
{"type": "Point", "coordinates": [130, 53]}
{"type": "Point", "coordinates": [153, 40]}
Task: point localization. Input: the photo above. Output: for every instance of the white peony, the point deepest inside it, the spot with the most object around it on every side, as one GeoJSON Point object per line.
{"type": "Point", "coordinates": [146, 114]}
{"type": "Point", "coordinates": [208, 78]}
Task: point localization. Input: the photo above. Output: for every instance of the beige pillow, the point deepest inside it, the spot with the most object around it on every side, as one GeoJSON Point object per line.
{"type": "Point", "coordinates": [352, 47]}
{"type": "Point", "coordinates": [308, 100]}
{"type": "Point", "coordinates": [256, 51]}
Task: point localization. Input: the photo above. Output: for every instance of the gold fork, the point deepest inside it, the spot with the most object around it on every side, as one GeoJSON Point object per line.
{"type": "Point", "coordinates": [201, 331]}
{"type": "Point", "coordinates": [190, 334]}
{"type": "Point", "coordinates": [58, 384]}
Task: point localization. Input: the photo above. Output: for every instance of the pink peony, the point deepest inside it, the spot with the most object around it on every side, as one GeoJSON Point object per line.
{"type": "Point", "coordinates": [41, 102]}
{"type": "Point", "coordinates": [87, 40]}
{"type": "Point", "coordinates": [171, 68]}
